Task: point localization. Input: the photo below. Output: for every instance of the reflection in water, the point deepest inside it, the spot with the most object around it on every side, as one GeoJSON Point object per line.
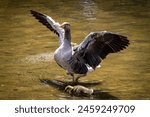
{"type": "Point", "coordinates": [89, 9]}
{"type": "Point", "coordinates": [26, 47]}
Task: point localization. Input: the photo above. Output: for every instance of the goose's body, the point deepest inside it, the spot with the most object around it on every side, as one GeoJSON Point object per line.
{"type": "Point", "coordinates": [88, 54]}
{"type": "Point", "coordinates": [63, 54]}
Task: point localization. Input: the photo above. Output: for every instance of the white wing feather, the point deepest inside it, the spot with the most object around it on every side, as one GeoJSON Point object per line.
{"type": "Point", "coordinates": [56, 26]}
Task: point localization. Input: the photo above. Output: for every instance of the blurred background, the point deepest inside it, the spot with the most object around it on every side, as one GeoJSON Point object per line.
{"type": "Point", "coordinates": [26, 47]}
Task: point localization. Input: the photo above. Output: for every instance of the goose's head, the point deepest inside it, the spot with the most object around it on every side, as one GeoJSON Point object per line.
{"type": "Point", "coordinates": [66, 26]}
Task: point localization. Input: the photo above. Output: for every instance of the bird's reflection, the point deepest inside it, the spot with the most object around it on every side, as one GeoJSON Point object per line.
{"type": "Point", "coordinates": [89, 9]}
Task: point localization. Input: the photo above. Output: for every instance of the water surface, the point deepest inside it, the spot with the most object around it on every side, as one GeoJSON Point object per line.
{"type": "Point", "coordinates": [26, 47]}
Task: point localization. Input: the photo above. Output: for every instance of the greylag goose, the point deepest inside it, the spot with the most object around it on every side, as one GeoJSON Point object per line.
{"type": "Point", "coordinates": [86, 56]}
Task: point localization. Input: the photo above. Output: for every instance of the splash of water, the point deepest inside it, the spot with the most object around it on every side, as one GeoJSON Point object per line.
{"type": "Point", "coordinates": [43, 57]}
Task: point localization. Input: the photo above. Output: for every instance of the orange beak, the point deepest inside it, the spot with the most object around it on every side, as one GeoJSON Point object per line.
{"type": "Point", "coordinates": [62, 25]}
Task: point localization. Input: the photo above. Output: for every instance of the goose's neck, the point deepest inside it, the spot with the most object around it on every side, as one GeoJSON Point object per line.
{"type": "Point", "coordinates": [68, 35]}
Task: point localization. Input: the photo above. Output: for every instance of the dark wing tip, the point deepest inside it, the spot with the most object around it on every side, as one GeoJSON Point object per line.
{"type": "Point", "coordinates": [124, 42]}
{"type": "Point", "coordinates": [42, 19]}
{"type": "Point", "coordinates": [37, 15]}
{"type": "Point", "coordinates": [115, 42]}
{"type": "Point", "coordinates": [32, 11]}
{"type": "Point", "coordinates": [107, 42]}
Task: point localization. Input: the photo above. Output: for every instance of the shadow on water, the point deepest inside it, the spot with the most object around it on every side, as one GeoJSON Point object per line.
{"type": "Point", "coordinates": [97, 94]}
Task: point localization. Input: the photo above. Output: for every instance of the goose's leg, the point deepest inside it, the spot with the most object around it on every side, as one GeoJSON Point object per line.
{"type": "Point", "coordinates": [79, 76]}
{"type": "Point", "coordinates": [73, 77]}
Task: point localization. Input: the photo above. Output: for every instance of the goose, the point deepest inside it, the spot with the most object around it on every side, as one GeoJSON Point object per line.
{"type": "Point", "coordinates": [85, 57]}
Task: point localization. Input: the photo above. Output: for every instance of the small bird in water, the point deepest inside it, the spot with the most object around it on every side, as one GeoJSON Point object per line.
{"type": "Point", "coordinates": [86, 56]}
{"type": "Point", "coordinates": [78, 90]}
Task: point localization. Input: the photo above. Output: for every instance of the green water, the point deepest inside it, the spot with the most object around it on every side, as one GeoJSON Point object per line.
{"type": "Point", "coordinates": [26, 47]}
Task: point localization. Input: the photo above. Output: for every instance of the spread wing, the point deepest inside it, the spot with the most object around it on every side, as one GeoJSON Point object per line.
{"type": "Point", "coordinates": [95, 47]}
{"type": "Point", "coordinates": [49, 23]}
